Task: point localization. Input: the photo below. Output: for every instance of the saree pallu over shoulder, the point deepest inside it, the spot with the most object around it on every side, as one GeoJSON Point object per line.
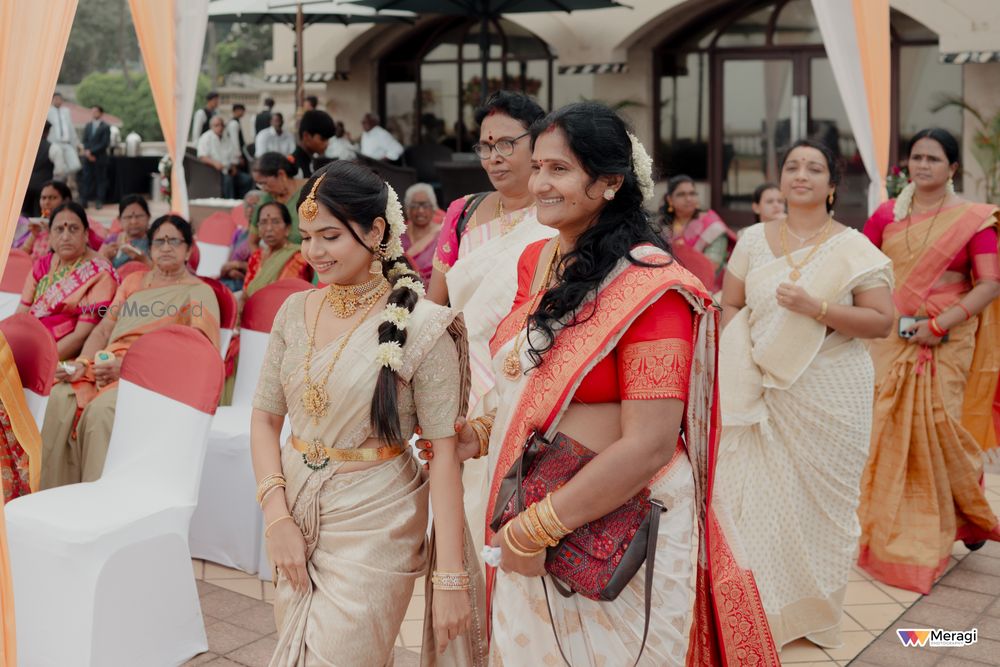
{"type": "Point", "coordinates": [726, 624]}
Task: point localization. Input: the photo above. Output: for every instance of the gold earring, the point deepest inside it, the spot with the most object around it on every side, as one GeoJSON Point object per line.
{"type": "Point", "coordinates": [829, 199]}
{"type": "Point", "coordinates": [609, 194]}
{"type": "Point", "coordinates": [670, 208]}
{"type": "Point", "coordinates": [376, 266]}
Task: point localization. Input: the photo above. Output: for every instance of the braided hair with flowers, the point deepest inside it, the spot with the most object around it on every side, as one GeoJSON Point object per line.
{"type": "Point", "coordinates": [357, 196]}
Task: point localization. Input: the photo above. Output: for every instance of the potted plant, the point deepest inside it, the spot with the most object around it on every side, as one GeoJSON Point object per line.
{"type": "Point", "coordinates": [985, 144]}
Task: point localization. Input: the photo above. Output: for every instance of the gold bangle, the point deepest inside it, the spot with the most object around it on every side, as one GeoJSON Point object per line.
{"type": "Point", "coordinates": [822, 311]}
{"type": "Point", "coordinates": [508, 540]}
{"type": "Point", "coordinates": [520, 546]}
{"type": "Point", "coordinates": [450, 581]}
{"type": "Point", "coordinates": [483, 435]}
{"type": "Point", "coordinates": [550, 520]}
{"type": "Point", "coordinates": [267, 484]}
{"type": "Point", "coordinates": [267, 531]}
{"type": "Point", "coordinates": [263, 498]}
{"type": "Point", "coordinates": [539, 534]}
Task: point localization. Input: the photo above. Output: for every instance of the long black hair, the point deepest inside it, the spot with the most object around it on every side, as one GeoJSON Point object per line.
{"type": "Point", "coordinates": [355, 194]}
{"type": "Point", "coordinates": [599, 139]}
{"type": "Point", "coordinates": [832, 164]}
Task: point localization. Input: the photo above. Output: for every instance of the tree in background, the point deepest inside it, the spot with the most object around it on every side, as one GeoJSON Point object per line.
{"type": "Point", "coordinates": [132, 101]}
{"type": "Point", "coordinates": [102, 38]}
{"type": "Point", "coordinates": [241, 48]}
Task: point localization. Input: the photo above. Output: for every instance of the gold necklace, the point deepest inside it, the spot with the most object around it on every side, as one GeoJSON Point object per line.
{"type": "Point", "coordinates": [797, 267]}
{"type": "Point", "coordinates": [499, 206]}
{"type": "Point", "coordinates": [930, 228]}
{"type": "Point", "coordinates": [347, 299]}
{"type": "Point", "coordinates": [315, 399]}
{"type": "Point", "coordinates": [512, 362]}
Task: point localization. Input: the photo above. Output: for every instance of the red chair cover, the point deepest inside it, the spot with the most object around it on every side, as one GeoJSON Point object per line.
{"type": "Point", "coordinates": [95, 235]}
{"type": "Point", "coordinates": [217, 228]}
{"type": "Point", "coordinates": [696, 263]}
{"type": "Point", "coordinates": [260, 309]}
{"type": "Point", "coordinates": [128, 268]}
{"type": "Point", "coordinates": [177, 362]}
{"type": "Point", "coordinates": [228, 308]}
{"type": "Point", "coordinates": [239, 216]}
{"type": "Point", "coordinates": [194, 258]}
{"type": "Point", "coordinates": [16, 272]}
{"type": "Point", "coordinates": [34, 351]}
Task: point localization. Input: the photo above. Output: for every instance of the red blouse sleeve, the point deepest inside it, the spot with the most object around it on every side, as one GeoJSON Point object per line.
{"type": "Point", "coordinates": [876, 224]}
{"type": "Point", "coordinates": [526, 266]}
{"type": "Point", "coordinates": [446, 253]}
{"type": "Point", "coordinates": [654, 355]}
{"type": "Point", "coordinates": [983, 250]}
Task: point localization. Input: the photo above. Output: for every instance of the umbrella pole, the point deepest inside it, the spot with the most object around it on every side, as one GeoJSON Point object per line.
{"type": "Point", "coordinates": [299, 74]}
{"type": "Point", "coordinates": [484, 55]}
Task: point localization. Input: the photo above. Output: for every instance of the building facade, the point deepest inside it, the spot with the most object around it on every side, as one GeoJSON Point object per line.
{"type": "Point", "coordinates": [715, 88]}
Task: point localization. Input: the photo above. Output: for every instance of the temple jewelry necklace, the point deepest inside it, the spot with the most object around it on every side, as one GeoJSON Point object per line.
{"type": "Point", "coordinates": [499, 206]}
{"type": "Point", "coordinates": [347, 299]}
{"type": "Point", "coordinates": [797, 267]}
{"type": "Point", "coordinates": [930, 228]}
{"type": "Point", "coordinates": [315, 399]}
{"type": "Point", "coordinates": [512, 362]}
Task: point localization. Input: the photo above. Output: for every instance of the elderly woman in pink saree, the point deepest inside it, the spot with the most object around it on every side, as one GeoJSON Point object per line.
{"type": "Point", "coordinates": [69, 288]}
{"type": "Point", "coordinates": [423, 226]}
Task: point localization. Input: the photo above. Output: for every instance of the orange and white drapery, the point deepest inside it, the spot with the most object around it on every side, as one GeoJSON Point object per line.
{"type": "Point", "coordinates": [171, 35]}
{"type": "Point", "coordinates": [856, 37]}
{"type": "Point", "coordinates": [33, 37]}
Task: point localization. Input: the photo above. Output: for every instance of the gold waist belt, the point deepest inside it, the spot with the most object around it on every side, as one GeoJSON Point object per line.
{"type": "Point", "coordinates": [317, 456]}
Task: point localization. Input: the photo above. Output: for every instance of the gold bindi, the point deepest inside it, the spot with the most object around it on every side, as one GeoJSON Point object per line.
{"type": "Point", "coordinates": [309, 209]}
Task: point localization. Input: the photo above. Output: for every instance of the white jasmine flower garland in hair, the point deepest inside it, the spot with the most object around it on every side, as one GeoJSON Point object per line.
{"type": "Point", "coordinates": [412, 284]}
{"type": "Point", "coordinates": [904, 200]}
{"type": "Point", "coordinates": [390, 355]}
{"type": "Point", "coordinates": [397, 315]}
{"type": "Point", "coordinates": [642, 164]}
{"type": "Point", "coordinates": [397, 224]}
{"type": "Point", "coordinates": [399, 269]}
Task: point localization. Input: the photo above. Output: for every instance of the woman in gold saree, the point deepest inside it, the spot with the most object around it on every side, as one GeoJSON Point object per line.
{"type": "Point", "coordinates": [935, 386]}
{"type": "Point", "coordinates": [612, 345]}
{"type": "Point", "coordinates": [801, 294]}
{"type": "Point", "coordinates": [354, 366]}
{"type": "Point", "coordinates": [76, 430]}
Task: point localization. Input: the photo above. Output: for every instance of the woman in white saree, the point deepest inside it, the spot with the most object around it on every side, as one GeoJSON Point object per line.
{"type": "Point", "coordinates": [354, 366]}
{"type": "Point", "coordinates": [796, 383]}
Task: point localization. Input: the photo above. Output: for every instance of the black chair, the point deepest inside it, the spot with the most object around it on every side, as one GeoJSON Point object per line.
{"type": "Point", "coordinates": [461, 178]}
{"type": "Point", "coordinates": [400, 178]}
{"type": "Point", "coordinates": [203, 181]}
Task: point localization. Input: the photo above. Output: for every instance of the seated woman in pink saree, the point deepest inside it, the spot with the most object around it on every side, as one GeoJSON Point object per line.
{"type": "Point", "coordinates": [69, 289]}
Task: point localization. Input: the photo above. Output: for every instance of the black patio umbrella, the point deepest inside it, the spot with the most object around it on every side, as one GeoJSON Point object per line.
{"type": "Point", "coordinates": [485, 11]}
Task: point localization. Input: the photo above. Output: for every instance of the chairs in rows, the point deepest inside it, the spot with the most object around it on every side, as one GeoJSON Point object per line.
{"type": "Point", "coordinates": [12, 283]}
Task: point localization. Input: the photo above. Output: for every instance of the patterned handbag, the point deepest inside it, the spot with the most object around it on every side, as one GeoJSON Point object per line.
{"type": "Point", "coordinates": [600, 558]}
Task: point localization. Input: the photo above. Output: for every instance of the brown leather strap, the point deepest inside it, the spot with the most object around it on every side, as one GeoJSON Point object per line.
{"type": "Point", "coordinates": [654, 529]}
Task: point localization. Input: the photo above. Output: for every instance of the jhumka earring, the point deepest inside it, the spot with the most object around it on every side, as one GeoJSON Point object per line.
{"type": "Point", "coordinates": [609, 194]}
{"type": "Point", "coordinates": [670, 208]}
{"type": "Point", "coordinates": [309, 208]}
{"type": "Point", "coordinates": [376, 266]}
{"type": "Point", "coordinates": [829, 199]}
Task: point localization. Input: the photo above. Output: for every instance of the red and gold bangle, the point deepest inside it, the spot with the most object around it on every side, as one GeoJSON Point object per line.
{"type": "Point", "coordinates": [936, 329]}
{"type": "Point", "coordinates": [968, 314]}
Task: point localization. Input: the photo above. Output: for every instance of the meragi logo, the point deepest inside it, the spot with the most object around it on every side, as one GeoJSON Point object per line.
{"type": "Point", "coordinates": [938, 637]}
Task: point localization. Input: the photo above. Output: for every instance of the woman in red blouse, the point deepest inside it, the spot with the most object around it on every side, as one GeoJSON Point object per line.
{"type": "Point", "coordinates": [936, 375]}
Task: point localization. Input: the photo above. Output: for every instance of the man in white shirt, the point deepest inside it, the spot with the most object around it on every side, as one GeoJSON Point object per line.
{"type": "Point", "coordinates": [274, 139]}
{"type": "Point", "coordinates": [63, 140]}
{"type": "Point", "coordinates": [234, 131]}
{"type": "Point", "coordinates": [215, 150]}
{"type": "Point", "coordinates": [199, 124]}
{"type": "Point", "coordinates": [376, 142]}
{"type": "Point", "coordinates": [341, 147]}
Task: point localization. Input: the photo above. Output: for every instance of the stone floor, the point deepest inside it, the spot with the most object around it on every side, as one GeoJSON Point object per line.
{"type": "Point", "coordinates": [239, 619]}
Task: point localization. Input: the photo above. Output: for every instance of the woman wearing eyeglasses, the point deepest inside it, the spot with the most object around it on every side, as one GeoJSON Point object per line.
{"type": "Point", "coordinates": [483, 235]}
{"type": "Point", "coordinates": [73, 449]}
{"type": "Point", "coordinates": [423, 227]}
{"type": "Point", "coordinates": [131, 243]}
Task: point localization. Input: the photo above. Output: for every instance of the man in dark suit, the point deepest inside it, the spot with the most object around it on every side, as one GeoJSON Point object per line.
{"type": "Point", "coordinates": [96, 139]}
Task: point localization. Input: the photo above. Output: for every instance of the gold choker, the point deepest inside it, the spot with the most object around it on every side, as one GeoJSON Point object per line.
{"type": "Point", "coordinates": [345, 300]}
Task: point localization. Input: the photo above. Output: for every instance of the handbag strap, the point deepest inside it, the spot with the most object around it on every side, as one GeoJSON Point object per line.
{"type": "Point", "coordinates": [471, 204]}
{"type": "Point", "coordinates": [654, 529]}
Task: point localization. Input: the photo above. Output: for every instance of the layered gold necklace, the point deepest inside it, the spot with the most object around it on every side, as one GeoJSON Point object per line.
{"type": "Point", "coordinates": [512, 362]}
{"type": "Point", "coordinates": [348, 299]}
{"type": "Point", "coordinates": [315, 399]}
{"type": "Point", "coordinates": [797, 266]}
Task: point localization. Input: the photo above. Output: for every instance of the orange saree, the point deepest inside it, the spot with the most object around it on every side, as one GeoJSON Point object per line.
{"type": "Point", "coordinates": [932, 415]}
{"type": "Point", "coordinates": [720, 621]}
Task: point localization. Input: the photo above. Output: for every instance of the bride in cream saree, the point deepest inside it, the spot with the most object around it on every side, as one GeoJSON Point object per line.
{"type": "Point", "coordinates": [921, 489]}
{"type": "Point", "coordinates": [365, 531]}
{"type": "Point", "coordinates": [704, 609]}
{"type": "Point", "coordinates": [796, 415]}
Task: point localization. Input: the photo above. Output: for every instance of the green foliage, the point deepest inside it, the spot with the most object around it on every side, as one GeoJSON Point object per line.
{"type": "Point", "coordinates": [100, 39]}
{"type": "Point", "coordinates": [985, 144]}
{"type": "Point", "coordinates": [244, 49]}
{"type": "Point", "coordinates": [133, 105]}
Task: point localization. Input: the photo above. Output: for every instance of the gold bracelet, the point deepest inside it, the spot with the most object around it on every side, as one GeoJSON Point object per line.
{"type": "Point", "coordinates": [520, 546]}
{"type": "Point", "coordinates": [822, 311]}
{"type": "Point", "coordinates": [483, 435]}
{"type": "Point", "coordinates": [538, 533]}
{"type": "Point", "coordinates": [505, 535]}
{"type": "Point", "coordinates": [267, 484]}
{"type": "Point", "coordinates": [263, 498]}
{"type": "Point", "coordinates": [450, 581]}
{"type": "Point", "coordinates": [267, 531]}
{"type": "Point", "coordinates": [550, 521]}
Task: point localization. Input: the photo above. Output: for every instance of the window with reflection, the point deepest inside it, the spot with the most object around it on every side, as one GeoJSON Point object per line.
{"type": "Point", "coordinates": [440, 67]}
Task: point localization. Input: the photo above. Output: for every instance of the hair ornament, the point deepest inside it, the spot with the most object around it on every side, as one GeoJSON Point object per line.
{"type": "Point", "coordinates": [642, 165]}
{"type": "Point", "coordinates": [309, 209]}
